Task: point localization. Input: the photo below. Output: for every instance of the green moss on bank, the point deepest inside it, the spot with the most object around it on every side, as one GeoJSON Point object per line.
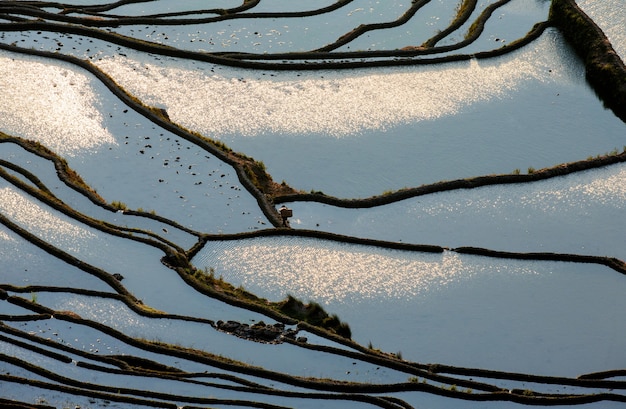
{"type": "Point", "coordinates": [291, 308]}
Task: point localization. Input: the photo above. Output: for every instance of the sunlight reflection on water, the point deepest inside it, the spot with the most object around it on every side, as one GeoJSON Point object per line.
{"type": "Point", "coordinates": [43, 223]}
{"type": "Point", "coordinates": [579, 213]}
{"type": "Point", "coordinates": [232, 101]}
{"type": "Point", "coordinates": [610, 190]}
{"type": "Point", "coordinates": [5, 237]}
{"type": "Point", "coordinates": [51, 103]}
{"type": "Point", "coordinates": [555, 197]}
{"type": "Point", "coordinates": [333, 272]}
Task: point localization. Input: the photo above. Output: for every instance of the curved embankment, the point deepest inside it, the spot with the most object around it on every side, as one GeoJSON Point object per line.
{"type": "Point", "coordinates": [469, 183]}
{"type": "Point", "coordinates": [611, 262]}
{"type": "Point", "coordinates": [312, 388]}
{"type": "Point", "coordinates": [364, 28]}
{"type": "Point", "coordinates": [96, 16]}
{"type": "Point", "coordinates": [175, 257]}
{"type": "Point", "coordinates": [316, 234]}
{"type": "Point", "coordinates": [463, 14]}
{"type": "Point", "coordinates": [73, 180]}
{"type": "Point", "coordinates": [266, 196]}
{"type": "Point", "coordinates": [306, 60]}
{"type": "Point", "coordinates": [251, 173]}
{"type": "Point", "coordinates": [605, 69]}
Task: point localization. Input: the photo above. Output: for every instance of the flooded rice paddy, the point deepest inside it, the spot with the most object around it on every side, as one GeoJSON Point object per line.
{"type": "Point", "coordinates": [133, 242]}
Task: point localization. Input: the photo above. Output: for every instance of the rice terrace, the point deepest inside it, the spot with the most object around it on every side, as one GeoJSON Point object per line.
{"type": "Point", "coordinates": [312, 204]}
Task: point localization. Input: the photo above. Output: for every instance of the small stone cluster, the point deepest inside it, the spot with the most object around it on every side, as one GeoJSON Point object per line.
{"type": "Point", "coordinates": [259, 332]}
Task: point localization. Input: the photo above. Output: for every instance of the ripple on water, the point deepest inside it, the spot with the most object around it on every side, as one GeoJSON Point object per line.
{"type": "Point", "coordinates": [51, 103]}
{"type": "Point", "coordinates": [226, 101]}
{"type": "Point", "coordinates": [332, 272]}
{"type": "Point", "coordinates": [41, 222]}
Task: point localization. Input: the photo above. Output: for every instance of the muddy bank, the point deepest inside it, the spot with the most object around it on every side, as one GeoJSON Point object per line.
{"type": "Point", "coordinates": [605, 70]}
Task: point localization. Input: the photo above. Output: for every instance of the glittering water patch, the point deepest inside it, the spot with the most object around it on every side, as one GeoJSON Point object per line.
{"type": "Point", "coordinates": [220, 101]}
{"type": "Point", "coordinates": [43, 223]}
{"type": "Point", "coordinates": [50, 103]}
{"type": "Point", "coordinates": [332, 272]}
{"type": "Point", "coordinates": [610, 190]}
{"type": "Point", "coordinates": [5, 237]}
